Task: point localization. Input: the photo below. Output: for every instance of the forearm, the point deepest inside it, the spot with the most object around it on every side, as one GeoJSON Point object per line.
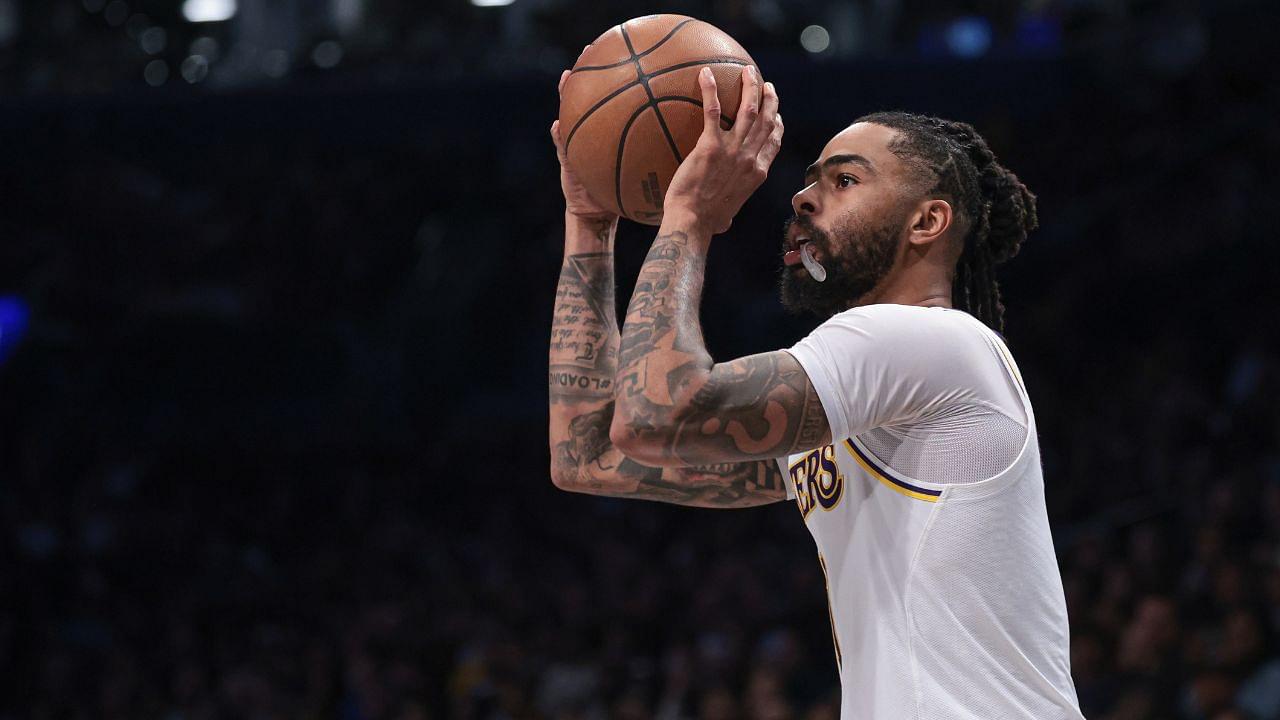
{"type": "Point", "coordinates": [663, 360]}
{"type": "Point", "coordinates": [584, 327]}
{"type": "Point", "coordinates": [675, 406]}
{"type": "Point", "coordinates": [581, 393]}
{"type": "Point", "coordinates": [583, 354]}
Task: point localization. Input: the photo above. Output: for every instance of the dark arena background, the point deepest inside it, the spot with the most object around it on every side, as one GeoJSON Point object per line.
{"type": "Point", "coordinates": [276, 281]}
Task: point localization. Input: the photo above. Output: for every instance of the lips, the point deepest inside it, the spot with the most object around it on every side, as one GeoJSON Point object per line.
{"type": "Point", "coordinates": [798, 232]}
{"type": "Point", "coordinates": [795, 244]}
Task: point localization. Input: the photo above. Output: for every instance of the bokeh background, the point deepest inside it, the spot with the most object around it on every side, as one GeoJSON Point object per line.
{"type": "Point", "coordinates": [275, 290]}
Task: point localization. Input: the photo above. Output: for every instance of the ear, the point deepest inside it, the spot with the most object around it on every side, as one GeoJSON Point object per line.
{"type": "Point", "coordinates": [929, 222]}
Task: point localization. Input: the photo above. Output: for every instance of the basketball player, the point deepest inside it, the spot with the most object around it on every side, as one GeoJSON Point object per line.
{"type": "Point", "coordinates": [900, 427]}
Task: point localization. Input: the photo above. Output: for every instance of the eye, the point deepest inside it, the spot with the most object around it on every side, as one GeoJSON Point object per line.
{"type": "Point", "coordinates": [845, 180]}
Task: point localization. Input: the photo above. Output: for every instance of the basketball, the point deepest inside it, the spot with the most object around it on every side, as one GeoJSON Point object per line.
{"type": "Point", "coordinates": [631, 108]}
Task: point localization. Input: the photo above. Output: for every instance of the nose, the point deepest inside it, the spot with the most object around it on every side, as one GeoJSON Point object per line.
{"type": "Point", "coordinates": [805, 202]}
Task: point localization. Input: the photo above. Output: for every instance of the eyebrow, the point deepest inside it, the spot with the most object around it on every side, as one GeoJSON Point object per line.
{"type": "Point", "coordinates": [839, 160]}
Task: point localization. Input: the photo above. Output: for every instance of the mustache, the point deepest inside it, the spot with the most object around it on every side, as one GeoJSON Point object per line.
{"type": "Point", "coordinates": [806, 225]}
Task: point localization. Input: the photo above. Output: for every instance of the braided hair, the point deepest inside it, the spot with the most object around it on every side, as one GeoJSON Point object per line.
{"type": "Point", "coordinates": [953, 160]}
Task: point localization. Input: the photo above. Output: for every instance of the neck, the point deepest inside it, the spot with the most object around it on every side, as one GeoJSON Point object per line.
{"type": "Point", "coordinates": [920, 276]}
{"type": "Point", "coordinates": [925, 292]}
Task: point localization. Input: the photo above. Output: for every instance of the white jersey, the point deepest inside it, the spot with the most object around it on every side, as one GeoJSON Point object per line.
{"type": "Point", "coordinates": [945, 597]}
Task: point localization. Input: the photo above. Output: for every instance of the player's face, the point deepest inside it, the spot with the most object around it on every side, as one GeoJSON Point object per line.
{"type": "Point", "coordinates": [853, 213]}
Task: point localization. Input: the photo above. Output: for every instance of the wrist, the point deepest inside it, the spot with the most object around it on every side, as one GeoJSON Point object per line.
{"type": "Point", "coordinates": [679, 219]}
{"type": "Point", "coordinates": [589, 232]}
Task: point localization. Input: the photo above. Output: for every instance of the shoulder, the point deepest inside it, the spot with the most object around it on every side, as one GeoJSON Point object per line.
{"type": "Point", "coordinates": [910, 326]}
{"type": "Point", "coordinates": [914, 315]}
{"type": "Point", "coordinates": [883, 364]}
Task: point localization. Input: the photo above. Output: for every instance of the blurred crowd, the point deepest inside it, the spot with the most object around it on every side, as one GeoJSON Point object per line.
{"type": "Point", "coordinates": [274, 442]}
{"type": "Point", "coordinates": [102, 46]}
{"type": "Point", "coordinates": [452, 580]}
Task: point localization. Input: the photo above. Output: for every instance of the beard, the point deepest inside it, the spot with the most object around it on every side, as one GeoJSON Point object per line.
{"type": "Point", "coordinates": [866, 255]}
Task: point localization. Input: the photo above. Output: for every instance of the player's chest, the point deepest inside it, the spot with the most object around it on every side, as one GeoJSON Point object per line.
{"type": "Point", "coordinates": [841, 490]}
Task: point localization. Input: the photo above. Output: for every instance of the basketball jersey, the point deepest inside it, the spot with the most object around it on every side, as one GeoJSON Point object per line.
{"type": "Point", "coordinates": [945, 597]}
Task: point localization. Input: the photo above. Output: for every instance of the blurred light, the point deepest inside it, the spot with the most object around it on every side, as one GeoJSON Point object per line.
{"type": "Point", "coordinates": [327, 54]}
{"type": "Point", "coordinates": [153, 40]}
{"type": "Point", "coordinates": [815, 39]}
{"type": "Point", "coordinates": [13, 324]}
{"type": "Point", "coordinates": [136, 25]}
{"type": "Point", "coordinates": [275, 63]}
{"type": "Point", "coordinates": [207, 47]}
{"type": "Point", "coordinates": [969, 36]}
{"type": "Point", "coordinates": [348, 15]}
{"type": "Point", "coordinates": [208, 10]}
{"type": "Point", "coordinates": [156, 73]}
{"type": "Point", "coordinates": [491, 3]}
{"type": "Point", "coordinates": [195, 68]}
{"type": "Point", "coordinates": [116, 13]}
{"type": "Point", "coordinates": [94, 6]}
{"type": "Point", "coordinates": [8, 21]}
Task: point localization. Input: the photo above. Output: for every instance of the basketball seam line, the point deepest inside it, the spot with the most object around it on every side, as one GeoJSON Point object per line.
{"type": "Point", "coordinates": [617, 166]}
{"type": "Point", "coordinates": [644, 80]}
{"type": "Point", "coordinates": [670, 34]}
{"type": "Point", "coordinates": [590, 111]}
{"type": "Point", "coordinates": [622, 141]}
{"type": "Point", "coordinates": [686, 98]}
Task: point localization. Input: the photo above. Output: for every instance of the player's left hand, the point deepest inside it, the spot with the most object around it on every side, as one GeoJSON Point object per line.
{"type": "Point", "coordinates": [726, 166]}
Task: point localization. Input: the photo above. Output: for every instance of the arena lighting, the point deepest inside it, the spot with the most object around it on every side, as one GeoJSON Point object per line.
{"type": "Point", "coordinates": [197, 11]}
{"type": "Point", "coordinates": [815, 39]}
{"type": "Point", "coordinates": [491, 3]}
{"type": "Point", "coordinates": [969, 36]}
{"type": "Point", "coordinates": [13, 323]}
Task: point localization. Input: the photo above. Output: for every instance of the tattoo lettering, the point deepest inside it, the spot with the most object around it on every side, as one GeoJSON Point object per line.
{"type": "Point", "coordinates": [583, 329]}
{"type": "Point", "coordinates": [571, 380]}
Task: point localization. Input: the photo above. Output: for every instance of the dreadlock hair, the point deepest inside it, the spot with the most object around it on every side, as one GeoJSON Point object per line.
{"type": "Point", "coordinates": [1000, 210]}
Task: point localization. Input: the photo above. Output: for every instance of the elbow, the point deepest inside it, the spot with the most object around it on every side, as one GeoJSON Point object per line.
{"type": "Point", "coordinates": [558, 477]}
{"type": "Point", "coordinates": [645, 447]}
{"type": "Point", "coordinates": [564, 478]}
{"type": "Point", "coordinates": [620, 436]}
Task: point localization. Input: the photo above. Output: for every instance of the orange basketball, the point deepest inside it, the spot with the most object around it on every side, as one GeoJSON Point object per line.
{"type": "Point", "coordinates": [632, 108]}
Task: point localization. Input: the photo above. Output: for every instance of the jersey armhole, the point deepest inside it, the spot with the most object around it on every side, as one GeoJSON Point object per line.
{"type": "Point", "coordinates": [784, 465]}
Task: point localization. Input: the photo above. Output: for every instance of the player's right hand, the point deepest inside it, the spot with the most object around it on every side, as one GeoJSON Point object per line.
{"type": "Point", "coordinates": [576, 200]}
{"type": "Point", "coordinates": [726, 166]}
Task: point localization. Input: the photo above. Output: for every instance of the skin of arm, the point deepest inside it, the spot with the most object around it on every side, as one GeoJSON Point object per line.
{"type": "Point", "coordinates": [583, 362]}
{"type": "Point", "coordinates": [675, 405]}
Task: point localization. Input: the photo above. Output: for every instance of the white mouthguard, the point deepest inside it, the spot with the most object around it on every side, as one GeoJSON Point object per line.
{"type": "Point", "coordinates": [811, 263]}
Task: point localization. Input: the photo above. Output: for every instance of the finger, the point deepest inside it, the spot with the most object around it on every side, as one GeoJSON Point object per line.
{"type": "Point", "coordinates": [749, 105]}
{"type": "Point", "coordinates": [555, 138]}
{"type": "Point", "coordinates": [767, 121]}
{"type": "Point", "coordinates": [710, 101]}
{"type": "Point", "coordinates": [563, 76]}
{"type": "Point", "coordinates": [770, 150]}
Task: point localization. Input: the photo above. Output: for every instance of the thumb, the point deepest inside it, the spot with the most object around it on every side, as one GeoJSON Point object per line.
{"type": "Point", "coordinates": [710, 101]}
{"type": "Point", "coordinates": [555, 138]}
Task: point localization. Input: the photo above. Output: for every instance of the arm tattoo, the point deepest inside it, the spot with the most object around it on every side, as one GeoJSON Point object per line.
{"type": "Point", "coordinates": [583, 363]}
{"type": "Point", "coordinates": [603, 470]}
{"type": "Point", "coordinates": [584, 329]}
{"type": "Point", "coordinates": [683, 407]}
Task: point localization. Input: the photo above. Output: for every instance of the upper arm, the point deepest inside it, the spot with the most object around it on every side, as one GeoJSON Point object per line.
{"type": "Point", "coordinates": [722, 485]}
{"type": "Point", "coordinates": [758, 407]}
